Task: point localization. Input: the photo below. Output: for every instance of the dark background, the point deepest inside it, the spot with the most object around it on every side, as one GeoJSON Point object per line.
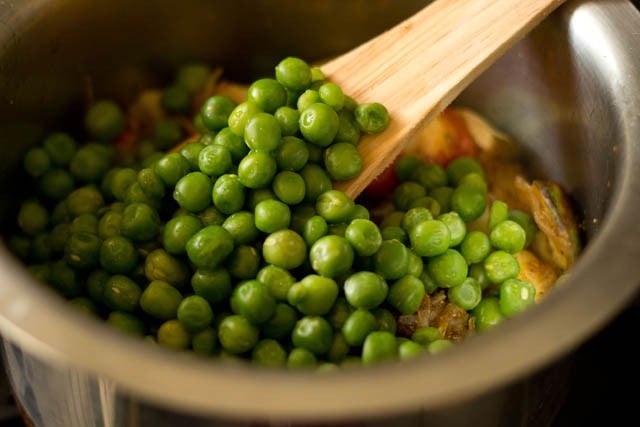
{"type": "Point", "coordinates": [606, 372]}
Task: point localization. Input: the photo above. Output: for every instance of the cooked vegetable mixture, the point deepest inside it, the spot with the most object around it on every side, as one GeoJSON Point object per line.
{"type": "Point", "coordinates": [202, 217]}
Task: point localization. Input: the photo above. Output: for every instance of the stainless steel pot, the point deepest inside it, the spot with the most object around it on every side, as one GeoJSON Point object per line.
{"type": "Point", "coordinates": [570, 92]}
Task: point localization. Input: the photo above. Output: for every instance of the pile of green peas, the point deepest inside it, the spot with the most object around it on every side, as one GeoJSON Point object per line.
{"type": "Point", "coordinates": [237, 246]}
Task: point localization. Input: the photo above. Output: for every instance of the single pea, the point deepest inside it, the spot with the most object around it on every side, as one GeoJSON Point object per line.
{"type": "Point", "coordinates": [364, 235]}
{"type": "Point", "coordinates": [216, 111]}
{"type": "Point", "coordinates": [443, 196]}
{"type": "Point", "coordinates": [160, 300]}
{"type": "Point", "coordinates": [498, 212]}
{"type": "Point", "coordinates": [87, 223]}
{"type": "Point", "coordinates": [460, 167]}
{"type": "Point", "coordinates": [176, 100]}
{"type": "Point", "coordinates": [118, 255]}
{"type": "Point", "coordinates": [316, 181]}
{"type": "Point", "coordinates": [209, 246]}
{"type": "Point", "coordinates": [56, 184]}
{"type": "Point", "coordinates": [409, 349]}
{"type": "Point", "coordinates": [269, 353]}
{"type": "Point", "coordinates": [455, 224]}
{"type": "Point", "coordinates": [172, 334]}
{"type": "Point", "coordinates": [515, 296]}
{"type": "Point", "coordinates": [391, 261]}
{"type": "Point", "coordinates": [228, 194]}
{"type": "Point", "coordinates": [332, 95]}
{"type": "Point", "coordinates": [204, 342]}
{"type": "Point", "coordinates": [140, 222]}
{"type": "Point", "coordinates": [406, 294]}
{"type": "Point", "coordinates": [307, 98]}
{"type": "Point", "coordinates": [177, 232]}
{"type": "Point", "coordinates": [241, 227]}
{"type": "Point", "coordinates": [500, 266]}
{"type": "Point", "coordinates": [262, 132]}
{"type": "Point", "coordinates": [195, 313]}
{"type": "Point", "coordinates": [407, 192]}
{"type": "Point", "coordinates": [416, 265]}
{"type": "Point", "coordinates": [487, 314]}
{"type": "Point", "coordinates": [313, 295]}
{"type": "Point", "coordinates": [121, 293]}
{"type": "Point", "coordinates": [244, 262]}
{"type": "Point", "coordinates": [193, 192]}
{"type": "Point", "coordinates": [335, 206]}
{"type": "Point", "coordinates": [360, 212]}
{"type": "Point", "coordinates": [477, 272]}
{"type": "Point", "coordinates": [467, 295]}
{"type": "Point", "coordinates": [33, 217]}
{"type": "Point", "coordinates": [343, 161]}
{"type": "Point", "coordinates": [272, 215]}
{"type": "Point", "coordinates": [469, 202]}
{"type": "Point", "coordinates": [84, 200]}
{"type": "Point", "coordinates": [214, 285]}
{"type": "Point", "coordinates": [301, 358]}
{"type": "Point", "coordinates": [319, 124]}
{"type": "Point", "coordinates": [293, 73]}
{"type": "Point", "coordinates": [171, 167]}
{"type": "Point", "coordinates": [117, 181]}
{"type": "Point", "coordinates": [386, 320]}
{"type": "Point", "coordinates": [285, 249]}
{"type": "Point", "coordinates": [252, 300]}
{"type": "Point", "coordinates": [314, 228]}
{"type": "Point", "coordinates": [150, 183]}
{"type": "Point", "coordinates": [474, 179]}
{"type": "Point", "coordinates": [358, 325]}
{"type": "Point", "coordinates": [281, 323]}
{"type": "Point", "coordinates": [448, 269]}
{"type": "Point", "coordinates": [430, 238]}
{"type": "Point", "coordinates": [289, 187]}
{"type": "Point", "coordinates": [192, 76]}
{"type": "Point", "coordinates": [331, 256]}
{"type": "Point", "coordinates": [210, 216]}
{"type": "Point", "coordinates": [36, 162]}
{"type": "Point", "coordinates": [214, 160]}
{"type": "Point", "coordinates": [268, 94]}
{"type": "Point", "coordinates": [372, 117]}
{"type": "Point", "coordinates": [104, 120]}
{"type": "Point", "coordinates": [241, 114]}
{"type": "Point", "coordinates": [438, 346]}
{"type": "Point", "coordinates": [64, 279]}
{"type": "Point", "coordinates": [89, 163]}
{"type": "Point", "coordinates": [277, 279]}
{"type": "Point", "coordinates": [348, 129]}
{"type": "Point", "coordinates": [292, 154]}
{"type": "Point", "coordinates": [255, 196]}
{"type": "Point", "coordinates": [475, 247]}
{"type": "Point", "coordinates": [527, 222]}
{"type": "Point", "coordinates": [429, 175]}
{"type": "Point", "coordinates": [508, 236]}
{"type": "Point", "coordinates": [427, 202]}
{"type": "Point", "coordinates": [257, 169]}
{"type": "Point", "coordinates": [415, 216]}
{"type": "Point", "coordinates": [60, 147]}
{"type": "Point", "coordinates": [126, 322]}
{"type": "Point", "coordinates": [288, 119]}
{"type": "Point", "coordinates": [159, 265]}
{"type": "Point", "coordinates": [365, 289]}
{"type": "Point", "coordinates": [426, 335]}
{"type": "Point", "coordinates": [82, 250]}
{"type": "Point", "coordinates": [312, 333]}
{"type": "Point", "coordinates": [379, 346]}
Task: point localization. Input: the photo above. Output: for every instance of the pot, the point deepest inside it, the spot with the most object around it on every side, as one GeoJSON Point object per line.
{"type": "Point", "coordinates": [569, 93]}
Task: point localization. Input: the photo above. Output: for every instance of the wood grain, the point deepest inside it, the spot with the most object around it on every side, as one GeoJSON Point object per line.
{"type": "Point", "coordinates": [419, 66]}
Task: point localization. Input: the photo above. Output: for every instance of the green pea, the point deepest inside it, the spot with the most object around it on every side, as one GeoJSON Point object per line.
{"type": "Point", "coordinates": [95, 283]}
{"type": "Point", "coordinates": [269, 353]}
{"type": "Point", "coordinates": [262, 132]}
{"type": "Point", "coordinates": [140, 222]}
{"type": "Point", "coordinates": [462, 166]}
{"type": "Point", "coordinates": [64, 279]}
{"type": "Point", "coordinates": [500, 266]}
{"type": "Point", "coordinates": [409, 349]}
{"type": "Point", "coordinates": [204, 342]}
{"type": "Point", "coordinates": [209, 246]}
{"type": "Point", "coordinates": [313, 333]}
{"type": "Point", "coordinates": [252, 300]}
{"type": "Point", "coordinates": [83, 200]}
{"type": "Point", "coordinates": [159, 265]}
{"type": "Point", "coordinates": [457, 227]}
{"type": "Point", "coordinates": [443, 196]}
{"type": "Point", "coordinates": [386, 320]}
{"type": "Point", "coordinates": [515, 296]}
{"type": "Point", "coordinates": [358, 325]}
{"type": "Point", "coordinates": [475, 247]}
{"type": "Point", "coordinates": [487, 314]}
{"type": "Point", "coordinates": [176, 100]}
{"type": "Point", "coordinates": [151, 183]}
{"type": "Point", "coordinates": [438, 346]}
{"type": "Point", "coordinates": [285, 249]}
{"type": "Point", "coordinates": [193, 76]}
{"type": "Point", "coordinates": [477, 272]}
{"type": "Point", "coordinates": [233, 143]}
{"type": "Point", "coordinates": [277, 279]}
{"type": "Point", "coordinates": [56, 184]}
{"type": "Point", "coordinates": [210, 216]}
{"type": "Point", "coordinates": [407, 192]}
{"type": "Point", "coordinates": [195, 313]}
{"type": "Point", "coordinates": [319, 124]}
{"type": "Point", "coordinates": [126, 322]}
{"type": "Point", "coordinates": [288, 118]}
{"type": "Point", "coordinates": [216, 111]}
{"type": "Point", "coordinates": [33, 218]}
{"type": "Point", "coordinates": [89, 163]}
{"type": "Point", "coordinates": [241, 227]}
{"type": "Point", "coordinates": [448, 269]}
{"type": "Point", "coordinates": [466, 295]}
{"type": "Point", "coordinates": [118, 255]}
{"type": "Point", "coordinates": [244, 262]}
{"type": "Point", "coordinates": [160, 300]}
{"type": "Point", "coordinates": [307, 98]}
{"type": "Point", "coordinates": [292, 154]}
{"type": "Point", "coordinates": [406, 294]}
{"type": "Point", "coordinates": [193, 192]}
{"type": "Point", "coordinates": [104, 120]}
{"type": "Point", "coordinates": [281, 323]}
{"type": "Point", "coordinates": [271, 216]}
{"type": "Point", "coordinates": [314, 228]}
{"type": "Point", "coordinates": [348, 129]}
{"type": "Point", "coordinates": [82, 250]}
{"type": "Point", "coordinates": [172, 334]}
{"type": "Point", "coordinates": [426, 335]}
{"type": "Point", "coordinates": [177, 232]}
{"type": "Point", "coordinates": [429, 175]}
{"type": "Point", "coordinates": [268, 94]}
{"type": "Point", "coordinates": [300, 214]}
{"type": "Point", "coordinates": [228, 194]}
{"type": "Point", "coordinates": [36, 162]}
{"type": "Point", "coordinates": [372, 117]}
{"type": "Point", "coordinates": [430, 238]}
{"type": "Point", "coordinates": [335, 206]}
{"type": "Point", "coordinates": [469, 202]}
{"type": "Point", "coordinates": [508, 236]}
{"type": "Point", "coordinates": [498, 212]}
{"type": "Point", "coordinates": [343, 161]}
{"type": "Point", "coordinates": [117, 181]}
{"type": "Point", "coordinates": [392, 260]}
{"type": "Point", "coordinates": [170, 168]}
{"type": "Point", "coordinates": [365, 289]}
{"type": "Point", "coordinates": [293, 73]}
{"type": "Point", "coordinates": [527, 222]}
{"type": "Point", "coordinates": [379, 346]}
{"type": "Point", "coordinates": [364, 235]}
{"type": "Point", "coordinates": [257, 169]}
{"type": "Point", "coordinates": [121, 293]}
{"type": "Point", "coordinates": [214, 285]}
{"type": "Point", "coordinates": [331, 256]}
{"type": "Point", "coordinates": [339, 349]}
{"type": "Point", "coordinates": [241, 114]}
{"type": "Point", "coordinates": [289, 187]}
{"type": "Point", "coordinates": [301, 358]}
{"type": "Point", "coordinates": [60, 147]}
{"type": "Point", "coordinates": [313, 295]}
{"type": "Point", "coordinates": [316, 181]}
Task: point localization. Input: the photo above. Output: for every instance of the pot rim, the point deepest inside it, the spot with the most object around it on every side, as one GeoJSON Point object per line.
{"type": "Point", "coordinates": [535, 338]}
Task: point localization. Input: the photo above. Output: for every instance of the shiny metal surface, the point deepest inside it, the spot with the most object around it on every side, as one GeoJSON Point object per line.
{"type": "Point", "coordinates": [569, 93]}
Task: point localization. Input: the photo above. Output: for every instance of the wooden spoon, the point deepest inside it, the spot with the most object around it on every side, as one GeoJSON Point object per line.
{"type": "Point", "coordinates": [419, 66]}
